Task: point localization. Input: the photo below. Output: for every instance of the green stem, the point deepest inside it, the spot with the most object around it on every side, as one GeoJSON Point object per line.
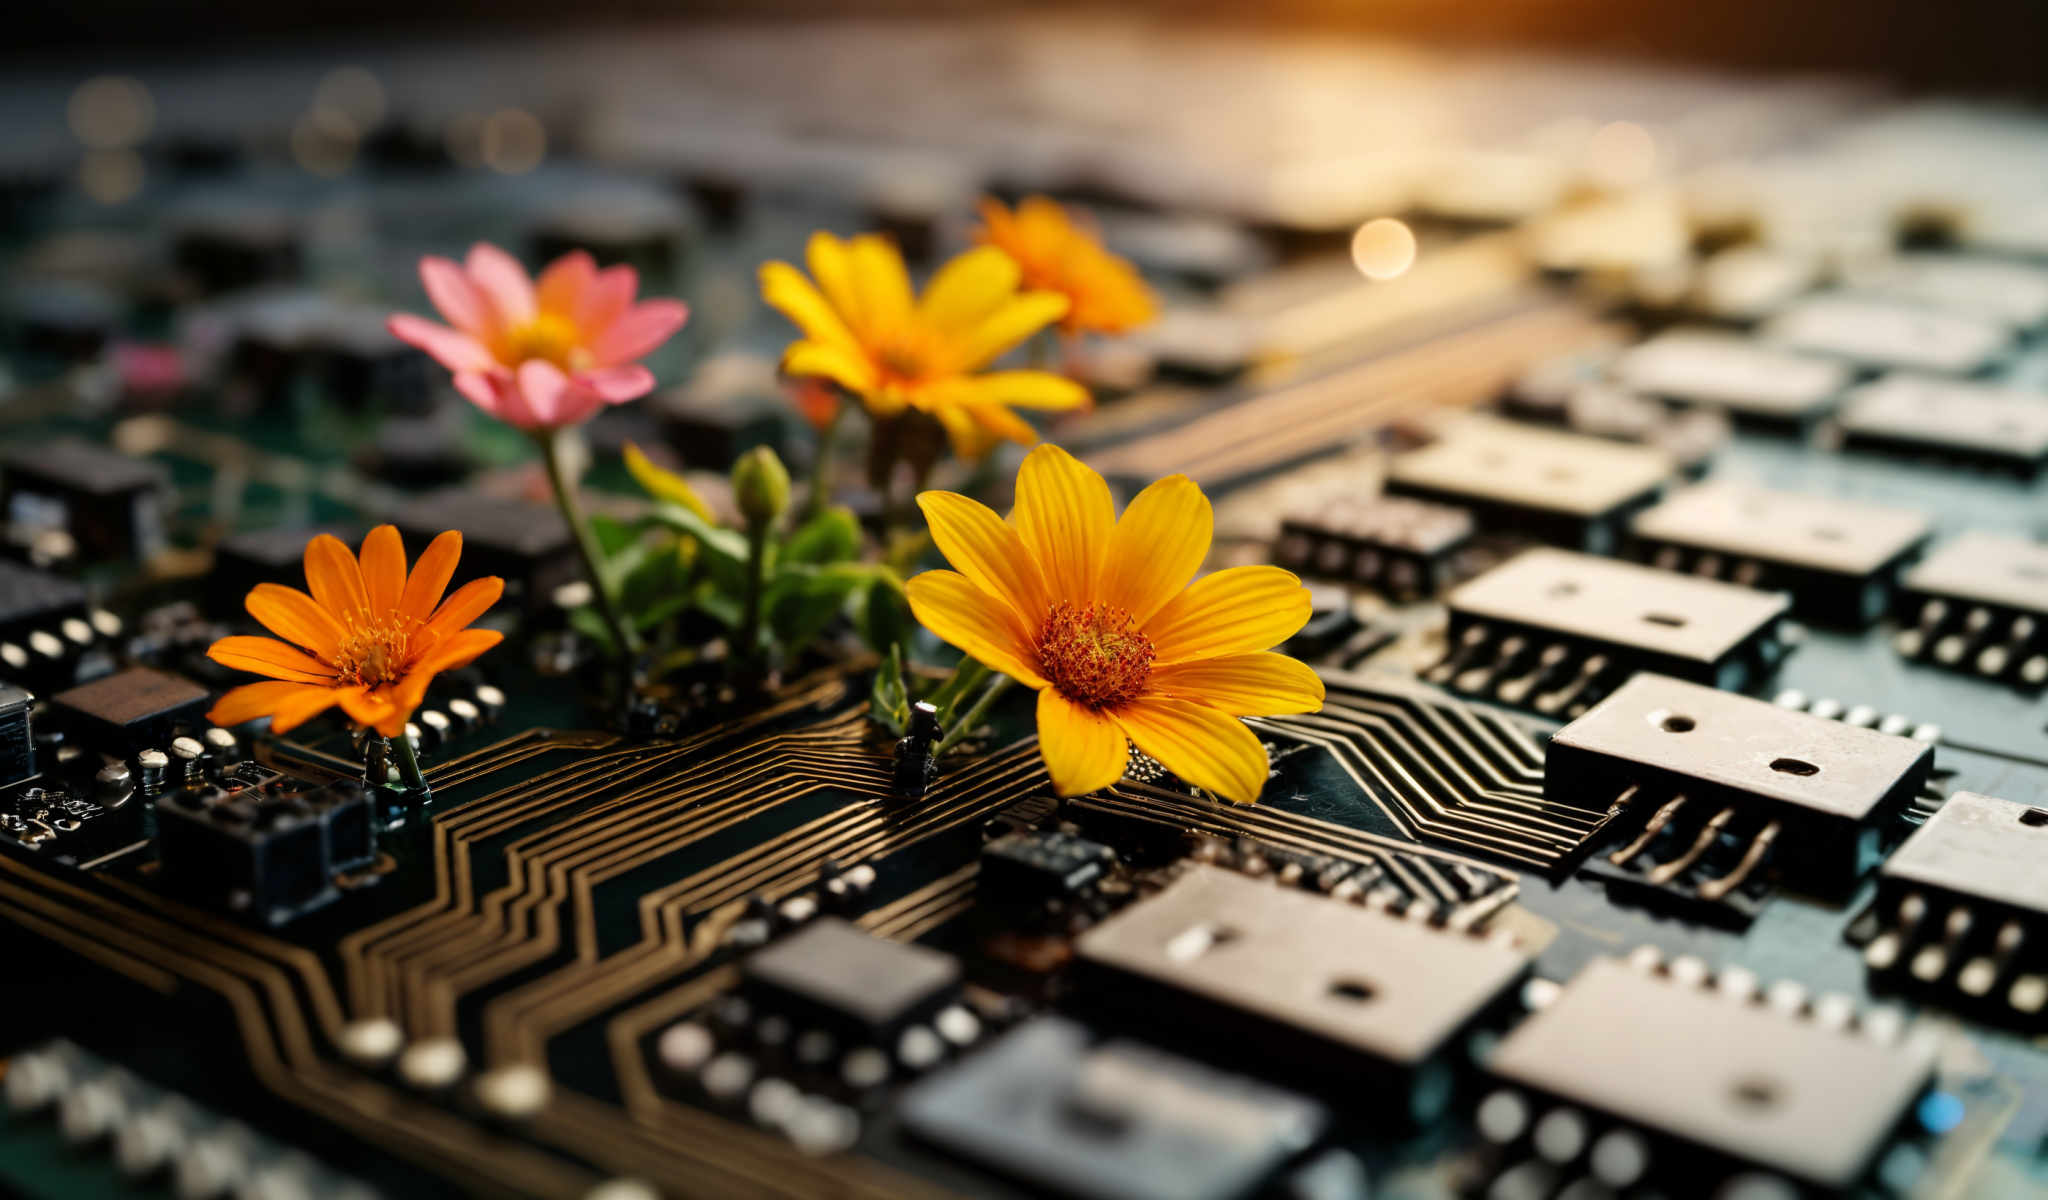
{"type": "Point", "coordinates": [821, 470]}
{"type": "Point", "coordinates": [409, 763]}
{"type": "Point", "coordinates": [625, 638]}
{"type": "Point", "coordinates": [745, 653]}
{"type": "Point", "coordinates": [965, 678]}
{"type": "Point", "coordinates": [974, 715]}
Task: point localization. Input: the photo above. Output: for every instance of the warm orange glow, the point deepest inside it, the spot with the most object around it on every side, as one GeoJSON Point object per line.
{"type": "Point", "coordinates": [1383, 248]}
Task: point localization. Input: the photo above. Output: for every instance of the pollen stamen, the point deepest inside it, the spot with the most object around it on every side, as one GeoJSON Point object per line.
{"type": "Point", "coordinates": [1095, 656]}
{"type": "Point", "coordinates": [376, 651]}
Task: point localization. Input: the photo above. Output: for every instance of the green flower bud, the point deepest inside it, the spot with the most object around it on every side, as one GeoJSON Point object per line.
{"type": "Point", "coordinates": [760, 485]}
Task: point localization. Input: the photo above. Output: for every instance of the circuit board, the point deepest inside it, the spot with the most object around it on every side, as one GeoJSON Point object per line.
{"type": "Point", "coordinates": [1675, 824]}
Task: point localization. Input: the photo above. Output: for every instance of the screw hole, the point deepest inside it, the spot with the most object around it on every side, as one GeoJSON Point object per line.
{"type": "Point", "coordinates": [2034, 816]}
{"type": "Point", "coordinates": [1666, 619]}
{"type": "Point", "coordinates": [1793, 766]}
{"type": "Point", "coordinates": [1756, 1092]}
{"type": "Point", "coordinates": [1355, 991]}
{"type": "Point", "coordinates": [1671, 722]}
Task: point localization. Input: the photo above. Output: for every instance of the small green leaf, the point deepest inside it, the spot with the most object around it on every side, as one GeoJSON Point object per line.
{"type": "Point", "coordinates": [831, 536]}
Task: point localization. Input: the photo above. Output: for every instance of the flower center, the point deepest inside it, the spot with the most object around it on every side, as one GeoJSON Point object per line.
{"type": "Point", "coordinates": [1094, 656]}
{"type": "Point", "coordinates": [375, 652]}
{"type": "Point", "coordinates": [548, 336]}
{"type": "Point", "coordinates": [906, 356]}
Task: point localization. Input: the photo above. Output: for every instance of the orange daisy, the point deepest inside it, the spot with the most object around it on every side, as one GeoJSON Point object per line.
{"type": "Point", "coordinates": [1096, 614]}
{"type": "Point", "coordinates": [369, 638]}
{"type": "Point", "coordinates": [1057, 253]}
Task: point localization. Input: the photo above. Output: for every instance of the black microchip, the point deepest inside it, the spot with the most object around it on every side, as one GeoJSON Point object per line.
{"type": "Point", "coordinates": [527, 545]}
{"type": "Point", "coordinates": [17, 745]}
{"type": "Point", "coordinates": [834, 975]}
{"type": "Point", "coordinates": [131, 710]}
{"type": "Point", "coordinates": [1045, 864]}
{"type": "Point", "coordinates": [32, 599]}
{"type": "Point", "coordinates": [1393, 543]}
{"type": "Point", "coordinates": [262, 556]}
{"type": "Point", "coordinates": [110, 504]}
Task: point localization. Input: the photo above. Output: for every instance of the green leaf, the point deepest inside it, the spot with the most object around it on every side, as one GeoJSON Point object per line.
{"type": "Point", "coordinates": [613, 535]}
{"type": "Point", "coordinates": [831, 536]}
{"type": "Point", "coordinates": [881, 613]}
{"type": "Point", "coordinates": [590, 623]}
{"type": "Point", "coordinates": [728, 544]}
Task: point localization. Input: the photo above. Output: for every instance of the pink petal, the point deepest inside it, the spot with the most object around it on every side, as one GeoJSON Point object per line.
{"type": "Point", "coordinates": [502, 281]}
{"type": "Point", "coordinates": [482, 390]}
{"type": "Point", "coordinates": [565, 282]}
{"type": "Point", "coordinates": [456, 297]}
{"type": "Point", "coordinates": [616, 385]}
{"type": "Point", "coordinates": [453, 350]}
{"type": "Point", "coordinates": [611, 295]}
{"type": "Point", "coordinates": [543, 386]}
{"type": "Point", "coordinates": [577, 405]}
{"type": "Point", "coordinates": [636, 334]}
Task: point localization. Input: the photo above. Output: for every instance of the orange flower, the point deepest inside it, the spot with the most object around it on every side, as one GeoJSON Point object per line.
{"type": "Point", "coordinates": [370, 638]}
{"type": "Point", "coordinates": [1057, 253]}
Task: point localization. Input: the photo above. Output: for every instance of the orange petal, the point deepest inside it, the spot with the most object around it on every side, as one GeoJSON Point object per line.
{"type": "Point", "coordinates": [1204, 746]}
{"type": "Point", "coordinates": [457, 650]}
{"type": "Point", "coordinates": [430, 575]}
{"type": "Point", "coordinates": [333, 576]}
{"type": "Point", "coordinates": [1065, 515]}
{"type": "Point", "coordinates": [982, 627]}
{"type": "Point", "coordinates": [268, 656]}
{"type": "Point", "coordinates": [294, 616]}
{"type": "Point", "coordinates": [379, 710]}
{"type": "Point", "coordinates": [1234, 611]}
{"type": "Point", "coordinates": [1245, 685]}
{"type": "Point", "coordinates": [253, 700]}
{"type": "Point", "coordinates": [1084, 750]}
{"type": "Point", "coordinates": [987, 551]}
{"type": "Point", "coordinates": [470, 601]}
{"type": "Point", "coordinates": [308, 704]}
{"type": "Point", "coordinates": [383, 564]}
{"type": "Point", "coordinates": [1159, 544]}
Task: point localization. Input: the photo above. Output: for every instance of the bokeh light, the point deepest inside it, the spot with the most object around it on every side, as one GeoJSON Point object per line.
{"type": "Point", "coordinates": [1383, 248]}
{"type": "Point", "coordinates": [514, 142]}
{"type": "Point", "coordinates": [111, 112]}
{"type": "Point", "coordinates": [111, 177]}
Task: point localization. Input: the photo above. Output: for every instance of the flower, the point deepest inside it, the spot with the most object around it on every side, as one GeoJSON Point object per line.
{"type": "Point", "coordinates": [864, 330]}
{"type": "Point", "coordinates": [1096, 614]}
{"type": "Point", "coordinates": [540, 354]}
{"type": "Point", "coordinates": [1056, 253]}
{"type": "Point", "coordinates": [370, 638]}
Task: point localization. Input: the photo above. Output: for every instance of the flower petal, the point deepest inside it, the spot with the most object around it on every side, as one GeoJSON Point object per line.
{"type": "Point", "coordinates": [1032, 389]}
{"type": "Point", "coordinates": [1204, 746]}
{"type": "Point", "coordinates": [333, 576]}
{"type": "Point", "coordinates": [1233, 611]}
{"type": "Point", "coordinates": [879, 279]}
{"type": "Point", "coordinates": [1084, 750]}
{"type": "Point", "coordinates": [309, 703]}
{"type": "Point", "coordinates": [987, 551]}
{"type": "Point", "coordinates": [1244, 685]}
{"type": "Point", "coordinates": [452, 348]}
{"type": "Point", "coordinates": [383, 563]}
{"type": "Point", "coordinates": [1064, 515]}
{"type": "Point", "coordinates": [456, 298]}
{"type": "Point", "coordinates": [968, 289]}
{"type": "Point", "coordinates": [375, 709]}
{"type": "Point", "coordinates": [1006, 327]}
{"type": "Point", "coordinates": [502, 281]}
{"type": "Point", "coordinates": [831, 264]}
{"type": "Point", "coordinates": [470, 601]}
{"type": "Point", "coordinates": [458, 651]}
{"type": "Point", "coordinates": [639, 331]}
{"type": "Point", "coordinates": [481, 389]}
{"type": "Point", "coordinates": [848, 368]}
{"type": "Point", "coordinates": [975, 622]}
{"type": "Point", "coordinates": [296, 617]}
{"type": "Point", "coordinates": [616, 385]}
{"type": "Point", "coordinates": [430, 576]}
{"type": "Point", "coordinates": [253, 700]}
{"type": "Point", "coordinates": [609, 295]}
{"type": "Point", "coordinates": [785, 289]}
{"type": "Point", "coordinates": [545, 389]}
{"type": "Point", "coordinates": [268, 656]}
{"type": "Point", "coordinates": [664, 485]}
{"type": "Point", "coordinates": [561, 287]}
{"type": "Point", "coordinates": [1158, 545]}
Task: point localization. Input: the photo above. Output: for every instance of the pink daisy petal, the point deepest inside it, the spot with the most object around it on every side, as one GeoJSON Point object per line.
{"type": "Point", "coordinates": [502, 281]}
{"type": "Point", "coordinates": [608, 297]}
{"type": "Point", "coordinates": [456, 297]}
{"type": "Point", "coordinates": [616, 385]}
{"type": "Point", "coordinates": [543, 386]}
{"type": "Point", "coordinates": [566, 281]}
{"type": "Point", "coordinates": [576, 405]}
{"type": "Point", "coordinates": [636, 334]}
{"type": "Point", "coordinates": [454, 350]}
{"type": "Point", "coordinates": [479, 389]}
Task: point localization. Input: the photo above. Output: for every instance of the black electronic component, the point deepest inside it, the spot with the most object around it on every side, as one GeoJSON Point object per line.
{"type": "Point", "coordinates": [1723, 790]}
{"type": "Point", "coordinates": [1974, 423]}
{"type": "Point", "coordinates": [1401, 546]}
{"type": "Point", "coordinates": [1111, 1121]}
{"type": "Point", "coordinates": [1555, 631]}
{"type": "Point", "coordinates": [1980, 603]}
{"type": "Point", "coordinates": [647, 229]}
{"type": "Point", "coordinates": [1750, 382]}
{"type": "Point", "coordinates": [1839, 559]}
{"type": "Point", "coordinates": [111, 505]}
{"type": "Point", "coordinates": [275, 555]}
{"type": "Point", "coordinates": [527, 545]}
{"type": "Point", "coordinates": [35, 609]}
{"type": "Point", "coordinates": [256, 855]}
{"type": "Point", "coordinates": [129, 710]}
{"type": "Point", "coordinates": [1713, 1082]}
{"type": "Point", "coordinates": [17, 740]}
{"type": "Point", "coordinates": [1563, 488]}
{"type": "Point", "coordinates": [1300, 981]}
{"type": "Point", "coordinates": [61, 824]}
{"type": "Point", "coordinates": [1962, 910]}
{"type": "Point", "coordinates": [1040, 864]}
{"type": "Point", "coordinates": [229, 244]}
{"type": "Point", "coordinates": [833, 975]}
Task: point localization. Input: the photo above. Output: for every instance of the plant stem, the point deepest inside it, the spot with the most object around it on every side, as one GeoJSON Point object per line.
{"type": "Point", "coordinates": [821, 470]}
{"type": "Point", "coordinates": [409, 764]}
{"type": "Point", "coordinates": [749, 645]}
{"type": "Point", "coordinates": [625, 639]}
{"type": "Point", "coordinates": [974, 715]}
{"type": "Point", "coordinates": [965, 678]}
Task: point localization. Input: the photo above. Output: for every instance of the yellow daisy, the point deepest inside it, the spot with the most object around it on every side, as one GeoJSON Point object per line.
{"type": "Point", "coordinates": [865, 330]}
{"type": "Point", "coordinates": [1057, 253]}
{"type": "Point", "coordinates": [1096, 614]}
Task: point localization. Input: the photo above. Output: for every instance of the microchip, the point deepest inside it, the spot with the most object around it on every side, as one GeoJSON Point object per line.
{"type": "Point", "coordinates": [1998, 426]}
{"type": "Point", "coordinates": [32, 599]}
{"type": "Point", "coordinates": [1838, 558]}
{"type": "Point", "coordinates": [1722, 370]}
{"type": "Point", "coordinates": [17, 744]}
{"type": "Point", "coordinates": [1310, 982]}
{"type": "Point", "coordinates": [1816, 792]}
{"type": "Point", "coordinates": [834, 975]}
{"type": "Point", "coordinates": [1980, 603]}
{"type": "Point", "coordinates": [1112, 1121]}
{"type": "Point", "coordinates": [131, 710]}
{"type": "Point", "coordinates": [1606, 620]}
{"type": "Point", "coordinates": [1394, 543]}
{"type": "Point", "coordinates": [111, 505]}
{"type": "Point", "coordinates": [1042, 864]}
{"type": "Point", "coordinates": [2013, 292]}
{"type": "Point", "coordinates": [1563, 488]}
{"type": "Point", "coordinates": [528, 545]}
{"type": "Point", "coordinates": [275, 555]}
{"type": "Point", "coordinates": [1882, 333]}
{"type": "Point", "coordinates": [1712, 1070]}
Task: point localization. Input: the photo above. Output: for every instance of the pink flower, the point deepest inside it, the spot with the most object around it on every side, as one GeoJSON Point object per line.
{"type": "Point", "coordinates": [540, 354]}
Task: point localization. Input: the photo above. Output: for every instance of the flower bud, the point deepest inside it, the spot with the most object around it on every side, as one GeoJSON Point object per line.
{"type": "Point", "coordinates": [760, 485]}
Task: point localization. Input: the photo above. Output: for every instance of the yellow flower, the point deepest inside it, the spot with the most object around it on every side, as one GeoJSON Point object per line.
{"type": "Point", "coordinates": [1056, 253]}
{"type": "Point", "coordinates": [864, 330]}
{"type": "Point", "coordinates": [1097, 615]}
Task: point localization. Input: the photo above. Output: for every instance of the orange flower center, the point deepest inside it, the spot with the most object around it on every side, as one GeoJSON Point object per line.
{"type": "Point", "coordinates": [1094, 656]}
{"type": "Point", "coordinates": [907, 356]}
{"type": "Point", "coordinates": [376, 652]}
{"type": "Point", "coordinates": [548, 336]}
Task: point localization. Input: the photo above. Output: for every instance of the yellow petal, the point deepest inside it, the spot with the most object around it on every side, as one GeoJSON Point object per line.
{"type": "Point", "coordinates": [1033, 389]}
{"type": "Point", "coordinates": [664, 485]}
{"type": "Point", "coordinates": [1158, 545]}
{"type": "Point", "coordinates": [832, 266]}
{"type": "Point", "coordinates": [1003, 423]}
{"type": "Point", "coordinates": [971, 438]}
{"type": "Point", "coordinates": [1004, 328]}
{"type": "Point", "coordinates": [1065, 515]}
{"type": "Point", "coordinates": [1234, 611]}
{"type": "Point", "coordinates": [430, 575]}
{"type": "Point", "coordinates": [880, 281]}
{"type": "Point", "coordinates": [1244, 685]}
{"type": "Point", "coordinates": [988, 552]}
{"type": "Point", "coordinates": [785, 289]}
{"type": "Point", "coordinates": [974, 622]}
{"type": "Point", "coordinates": [1084, 750]}
{"type": "Point", "coordinates": [382, 560]}
{"type": "Point", "coordinates": [850, 369]}
{"type": "Point", "coordinates": [1204, 746]}
{"type": "Point", "coordinates": [967, 289]}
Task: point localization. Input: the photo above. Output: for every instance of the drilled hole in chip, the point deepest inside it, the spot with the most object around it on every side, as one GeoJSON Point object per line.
{"type": "Point", "coordinates": [2034, 816]}
{"type": "Point", "coordinates": [1756, 1092]}
{"type": "Point", "coordinates": [1793, 766]}
{"type": "Point", "coordinates": [1828, 533]}
{"type": "Point", "coordinates": [1666, 619]}
{"type": "Point", "coordinates": [1355, 991]}
{"type": "Point", "coordinates": [1671, 722]}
